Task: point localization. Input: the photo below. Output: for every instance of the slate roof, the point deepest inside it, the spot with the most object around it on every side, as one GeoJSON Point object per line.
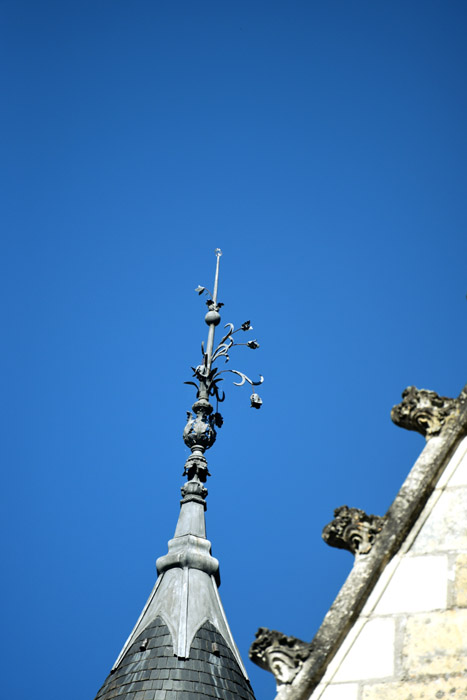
{"type": "Point", "coordinates": [150, 671]}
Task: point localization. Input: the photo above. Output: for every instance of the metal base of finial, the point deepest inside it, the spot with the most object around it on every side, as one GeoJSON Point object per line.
{"type": "Point", "coordinates": [194, 491]}
{"type": "Point", "coordinates": [196, 466]}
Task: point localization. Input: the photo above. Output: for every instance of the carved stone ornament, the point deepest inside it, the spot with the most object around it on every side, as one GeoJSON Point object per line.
{"type": "Point", "coordinates": [352, 529]}
{"type": "Point", "coordinates": [422, 410]}
{"type": "Point", "coordinates": [281, 655]}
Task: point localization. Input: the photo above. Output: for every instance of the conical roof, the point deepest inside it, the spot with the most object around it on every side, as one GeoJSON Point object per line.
{"type": "Point", "coordinates": [149, 670]}
{"type": "Point", "coordinates": [181, 647]}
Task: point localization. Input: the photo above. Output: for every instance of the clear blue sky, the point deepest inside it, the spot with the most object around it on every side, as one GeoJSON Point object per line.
{"type": "Point", "coordinates": [323, 147]}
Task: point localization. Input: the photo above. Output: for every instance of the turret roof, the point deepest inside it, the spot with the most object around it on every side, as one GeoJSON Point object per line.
{"type": "Point", "coordinates": [181, 647]}
{"type": "Point", "coordinates": [149, 670]}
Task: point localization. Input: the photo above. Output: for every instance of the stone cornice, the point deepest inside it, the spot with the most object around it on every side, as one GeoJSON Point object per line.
{"type": "Point", "coordinates": [281, 655]}
{"type": "Point", "coordinates": [424, 411]}
{"type": "Point", "coordinates": [398, 522]}
{"type": "Point", "coordinates": [352, 529]}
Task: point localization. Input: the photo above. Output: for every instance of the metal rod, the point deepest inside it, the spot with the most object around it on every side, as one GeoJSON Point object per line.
{"type": "Point", "coordinates": [212, 326]}
{"type": "Point", "coordinates": [218, 252]}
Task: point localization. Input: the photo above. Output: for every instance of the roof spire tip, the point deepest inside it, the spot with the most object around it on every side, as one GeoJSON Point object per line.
{"type": "Point", "coordinates": [200, 430]}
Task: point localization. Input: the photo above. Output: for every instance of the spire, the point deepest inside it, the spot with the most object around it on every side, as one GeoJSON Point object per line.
{"type": "Point", "coordinates": [182, 643]}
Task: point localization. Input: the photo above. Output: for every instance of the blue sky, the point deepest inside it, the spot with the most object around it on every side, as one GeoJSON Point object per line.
{"type": "Point", "coordinates": [322, 146]}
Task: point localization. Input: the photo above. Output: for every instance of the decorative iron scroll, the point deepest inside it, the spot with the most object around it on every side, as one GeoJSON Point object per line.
{"type": "Point", "coordinates": [200, 431]}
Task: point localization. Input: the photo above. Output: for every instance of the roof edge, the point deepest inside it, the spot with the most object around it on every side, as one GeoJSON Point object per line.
{"type": "Point", "coordinates": [398, 522]}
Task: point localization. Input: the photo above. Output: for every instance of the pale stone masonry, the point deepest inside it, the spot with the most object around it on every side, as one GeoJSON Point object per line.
{"type": "Point", "coordinates": [397, 630]}
{"type": "Point", "coordinates": [410, 640]}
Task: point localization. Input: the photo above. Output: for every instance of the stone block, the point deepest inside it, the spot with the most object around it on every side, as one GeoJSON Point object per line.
{"type": "Point", "coordinates": [460, 581]}
{"type": "Point", "coordinates": [340, 691]}
{"type": "Point", "coordinates": [418, 584]}
{"type": "Point", "coordinates": [454, 688]}
{"type": "Point", "coordinates": [459, 478]}
{"type": "Point", "coordinates": [455, 473]}
{"type": "Point", "coordinates": [444, 528]}
{"type": "Point", "coordinates": [372, 653]}
{"type": "Point", "coordinates": [435, 643]}
{"type": "Point", "coordinates": [381, 585]}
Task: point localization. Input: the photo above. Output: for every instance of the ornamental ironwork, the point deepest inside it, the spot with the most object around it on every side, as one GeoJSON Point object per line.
{"type": "Point", "coordinates": [200, 430]}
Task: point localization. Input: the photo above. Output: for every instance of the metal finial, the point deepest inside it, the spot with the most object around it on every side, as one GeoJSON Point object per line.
{"type": "Point", "coordinates": [218, 253]}
{"type": "Point", "coordinates": [200, 433]}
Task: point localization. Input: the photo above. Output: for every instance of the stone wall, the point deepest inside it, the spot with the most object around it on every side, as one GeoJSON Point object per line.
{"type": "Point", "coordinates": [410, 641]}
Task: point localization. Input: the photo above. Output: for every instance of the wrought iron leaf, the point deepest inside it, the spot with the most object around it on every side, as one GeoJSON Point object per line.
{"type": "Point", "coordinates": [200, 372]}
{"type": "Point", "coordinates": [218, 420]}
{"type": "Point", "coordinates": [223, 349]}
{"type": "Point", "coordinates": [229, 333]}
{"type": "Point", "coordinates": [246, 326]}
{"type": "Point", "coordinates": [253, 344]}
{"type": "Point", "coordinates": [245, 378]}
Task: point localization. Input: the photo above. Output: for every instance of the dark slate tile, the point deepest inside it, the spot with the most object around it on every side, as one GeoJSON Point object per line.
{"type": "Point", "coordinates": [190, 664]}
{"type": "Point", "coordinates": [156, 674]}
{"type": "Point", "coordinates": [189, 686]}
{"type": "Point", "coordinates": [153, 664]}
{"type": "Point", "coordinates": [205, 678]}
{"type": "Point", "coordinates": [177, 673]}
{"type": "Point", "coordinates": [192, 676]}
